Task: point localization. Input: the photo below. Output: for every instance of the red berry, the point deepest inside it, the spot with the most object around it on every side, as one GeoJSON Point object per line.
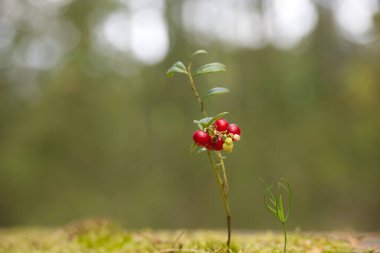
{"type": "Point", "coordinates": [221, 124]}
{"type": "Point", "coordinates": [218, 143]}
{"type": "Point", "coordinates": [233, 129]}
{"type": "Point", "coordinates": [201, 138]}
{"type": "Point", "coordinates": [209, 145]}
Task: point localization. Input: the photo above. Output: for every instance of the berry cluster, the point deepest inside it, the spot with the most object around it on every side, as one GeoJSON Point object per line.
{"type": "Point", "coordinates": [218, 136]}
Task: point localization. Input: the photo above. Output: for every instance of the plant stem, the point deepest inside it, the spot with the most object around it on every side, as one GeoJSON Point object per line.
{"type": "Point", "coordinates": [224, 195]}
{"type": "Point", "coordinates": [285, 236]}
{"type": "Point", "coordinates": [221, 163]}
{"type": "Point", "coordinates": [222, 182]}
{"type": "Point", "coordinates": [195, 91]}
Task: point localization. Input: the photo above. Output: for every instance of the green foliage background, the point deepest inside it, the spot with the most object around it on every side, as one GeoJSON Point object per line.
{"type": "Point", "coordinates": [96, 143]}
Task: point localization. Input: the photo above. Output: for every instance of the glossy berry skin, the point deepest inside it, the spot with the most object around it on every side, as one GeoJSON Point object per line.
{"type": "Point", "coordinates": [221, 124]}
{"type": "Point", "coordinates": [209, 145]}
{"type": "Point", "coordinates": [217, 144]}
{"type": "Point", "coordinates": [201, 138]}
{"type": "Point", "coordinates": [233, 129]}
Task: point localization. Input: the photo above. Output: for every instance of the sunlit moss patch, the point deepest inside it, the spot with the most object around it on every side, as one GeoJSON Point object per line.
{"type": "Point", "coordinates": [99, 236]}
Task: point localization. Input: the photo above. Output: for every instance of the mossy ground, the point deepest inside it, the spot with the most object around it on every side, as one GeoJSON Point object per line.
{"type": "Point", "coordinates": [99, 236]}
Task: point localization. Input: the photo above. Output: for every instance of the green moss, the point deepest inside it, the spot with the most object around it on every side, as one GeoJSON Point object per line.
{"type": "Point", "coordinates": [98, 236]}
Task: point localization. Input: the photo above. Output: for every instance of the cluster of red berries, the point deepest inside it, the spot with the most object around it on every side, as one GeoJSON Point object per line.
{"type": "Point", "coordinates": [218, 136]}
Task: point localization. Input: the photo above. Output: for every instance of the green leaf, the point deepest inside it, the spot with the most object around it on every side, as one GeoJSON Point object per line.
{"type": "Point", "coordinates": [210, 68]}
{"type": "Point", "coordinates": [201, 51]}
{"type": "Point", "coordinates": [269, 195]}
{"type": "Point", "coordinates": [202, 123]}
{"type": "Point", "coordinates": [177, 67]}
{"type": "Point", "coordinates": [216, 117]}
{"type": "Point", "coordinates": [214, 91]}
{"type": "Point", "coordinates": [205, 122]}
{"type": "Point", "coordinates": [289, 193]}
{"type": "Point", "coordinates": [280, 209]}
{"type": "Point", "coordinates": [271, 209]}
{"type": "Point", "coordinates": [192, 148]}
{"type": "Point", "coordinates": [201, 149]}
{"type": "Point", "coordinates": [289, 189]}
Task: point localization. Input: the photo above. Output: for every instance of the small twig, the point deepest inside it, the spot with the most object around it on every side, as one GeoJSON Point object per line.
{"type": "Point", "coordinates": [178, 237]}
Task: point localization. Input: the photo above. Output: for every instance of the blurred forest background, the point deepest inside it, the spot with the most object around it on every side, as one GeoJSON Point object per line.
{"type": "Point", "coordinates": [91, 126]}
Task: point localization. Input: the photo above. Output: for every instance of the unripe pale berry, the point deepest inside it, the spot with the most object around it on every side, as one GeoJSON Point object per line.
{"type": "Point", "coordinates": [236, 137]}
{"type": "Point", "coordinates": [233, 129]}
{"type": "Point", "coordinates": [228, 147]}
{"type": "Point", "coordinates": [201, 138]}
{"type": "Point", "coordinates": [221, 124]}
{"type": "Point", "coordinates": [217, 144]}
{"type": "Point", "coordinates": [228, 140]}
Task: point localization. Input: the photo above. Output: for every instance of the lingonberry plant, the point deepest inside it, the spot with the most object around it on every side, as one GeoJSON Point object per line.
{"type": "Point", "coordinates": [273, 201]}
{"type": "Point", "coordinates": [214, 132]}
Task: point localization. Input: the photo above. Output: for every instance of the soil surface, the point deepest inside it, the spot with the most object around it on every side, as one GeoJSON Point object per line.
{"type": "Point", "coordinates": [102, 236]}
{"type": "Point", "coordinates": [362, 242]}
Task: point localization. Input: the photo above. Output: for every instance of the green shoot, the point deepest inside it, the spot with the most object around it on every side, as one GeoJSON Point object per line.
{"type": "Point", "coordinates": [273, 201]}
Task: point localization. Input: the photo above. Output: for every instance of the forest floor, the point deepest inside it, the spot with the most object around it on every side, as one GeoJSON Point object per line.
{"type": "Point", "coordinates": [102, 236]}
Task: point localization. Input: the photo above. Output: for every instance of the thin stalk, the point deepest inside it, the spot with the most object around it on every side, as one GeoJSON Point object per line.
{"type": "Point", "coordinates": [195, 91]}
{"type": "Point", "coordinates": [221, 163]}
{"type": "Point", "coordinates": [285, 236]}
{"type": "Point", "coordinates": [218, 178]}
{"type": "Point", "coordinates": [222, 182]}
{"type": "Point", "coordinates": [224, 195]}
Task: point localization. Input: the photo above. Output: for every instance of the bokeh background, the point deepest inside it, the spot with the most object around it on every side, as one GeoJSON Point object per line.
{"type": "Point", "coordinates": [91, 126]}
